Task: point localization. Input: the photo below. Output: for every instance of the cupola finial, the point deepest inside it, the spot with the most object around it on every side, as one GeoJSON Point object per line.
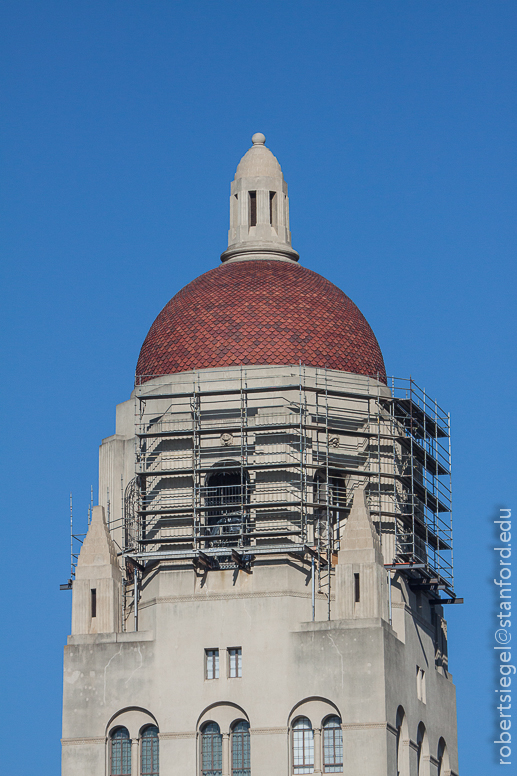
{"type": "Point", "coordinates": [259, 208]}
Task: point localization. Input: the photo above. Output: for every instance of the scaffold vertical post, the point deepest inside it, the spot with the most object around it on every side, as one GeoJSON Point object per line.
{"type": "Point", "coordinates": [72, 567]}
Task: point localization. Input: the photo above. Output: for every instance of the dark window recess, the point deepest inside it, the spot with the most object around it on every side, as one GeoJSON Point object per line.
{"type": "Point", "coordinates": [94, 602]}
{"type": "Point", "coordinates": [336, 491]}
{"type": "Point", "coordinates": [272, 208]}
{"type": "Point", "coordinates": [357, 588]}
{"type": "Point", "coordinates": [228, 496]}
{"type": "Point", "coordinates": [253, 208]}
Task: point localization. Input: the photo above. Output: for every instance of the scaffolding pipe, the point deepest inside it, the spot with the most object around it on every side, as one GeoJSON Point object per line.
{"type": "Point", "coordinates": [313, 590]}
{"type": "Point", "coordinates": [136, 597]}
{"type": "Point", "coordinates": [389, 595]}
{"type": "Point", "coordinates": [71, 539]}
{"type": "Point", "coordinates": [328, 493]}
{"type": "Point", "coordinates": [122, 500]}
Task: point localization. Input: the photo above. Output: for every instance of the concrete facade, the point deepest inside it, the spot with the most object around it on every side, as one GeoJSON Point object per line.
{"type": "Point", "coordinates": [293, 566]}
{"type": "Point", "coordinates": [359, 668]}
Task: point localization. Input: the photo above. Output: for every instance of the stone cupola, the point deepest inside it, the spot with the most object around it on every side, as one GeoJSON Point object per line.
{"type": "Point", "coordinates": [259, 208]}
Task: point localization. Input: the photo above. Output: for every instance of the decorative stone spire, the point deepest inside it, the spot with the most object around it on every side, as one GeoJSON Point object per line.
{"type": "Point", "coordinates": [96, 605]}
{"type": "Point", "coordinates": [360, 574]}
{"type": "Point", "coordinates": [360, 541]}
{"type": "Point", "coordinates": [259, 208]}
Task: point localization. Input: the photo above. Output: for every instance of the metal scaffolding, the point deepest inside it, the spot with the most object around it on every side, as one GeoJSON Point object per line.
{"type": "Point", "coordinates": [228, 470]}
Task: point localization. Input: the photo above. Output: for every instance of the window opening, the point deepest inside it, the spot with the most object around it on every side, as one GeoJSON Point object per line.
{"type": "Point", "coordinates": [332, 745]}
{"type": "Point", "coordinates": [253, 208]}
{"type": "Point", "coordinates": [357, 588]}
{"type": "Point", "coordinates": [234, 662]}
{"type": "Point", "coordinates": [241, 749]}
{"type": "Point", "coordinates": [272, 209]}
{"type": "Point", "coordinates": [401, 754]}
{"type": "Point", "coordinates": [336, 492]}
{"type": "Point", "coordinates": [211, 750]}
{"type": "Point", "coordinates": [227, 492]}
{"type": "Point", "coordinates": [94, 602]}
{"type": "Point", "coordinates": [443, 762]}
{"type": "Point", "coordinates": [420, 684]}
{"type": "Point", "coordinates": [149, 759]}
{"type": "Point", "coordinates": [303, 746]}
{"type": "Point", "coordinates": [120, 754]}
{"type": "Point", "coordinates": [211, 664]}
{"type": "Point", "coordinates": [420, 743]}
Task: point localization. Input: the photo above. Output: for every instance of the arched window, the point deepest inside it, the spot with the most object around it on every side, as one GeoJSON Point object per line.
{"type": "Point", "coordinates": [303, 746]}
{"type": "Point", "coordinates": [241, 749]}
{"type": "Point", "coordinates": [443, 757]}
{"type": "Point", "coordinates": [398, 751]}
{"type": "Point", "coordinates": [226, 492]}
{"type": "Point", "coordinates": [422, 750]}
{"type": "Point", "coordinates": [211, 750]}
{"type": "Point", "coordinates": [120, 752]}
{"type": "Point", "coordinates": [332, 745]}
{"type": "Point", "coordinates": [149, 760]}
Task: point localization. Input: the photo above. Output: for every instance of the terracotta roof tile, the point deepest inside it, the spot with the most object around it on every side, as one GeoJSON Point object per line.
{"type": "Point", "coordinates": [260, 312]}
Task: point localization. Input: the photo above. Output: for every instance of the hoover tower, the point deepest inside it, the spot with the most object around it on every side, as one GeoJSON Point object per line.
{"type": "Point", "coordinates": [261, 589]}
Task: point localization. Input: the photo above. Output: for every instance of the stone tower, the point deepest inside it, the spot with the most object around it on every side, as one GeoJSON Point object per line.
{"type": "Point", "coordinates": [266, 598]}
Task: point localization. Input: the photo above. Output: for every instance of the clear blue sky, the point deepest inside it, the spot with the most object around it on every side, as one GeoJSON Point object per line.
{"type": "Point", "coordinates": [122, 123]}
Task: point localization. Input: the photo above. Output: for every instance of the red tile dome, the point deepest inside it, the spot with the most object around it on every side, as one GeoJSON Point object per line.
{"type": "Point", "coordinates": [260, 312]}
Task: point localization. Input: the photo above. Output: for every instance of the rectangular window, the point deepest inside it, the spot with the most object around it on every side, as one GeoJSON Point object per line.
{"type": "Point", "coordinates": [211, 664]}
{"type": "Point", "coordinates": [253, 208]}
{"type": "Point", "coordinates": [234, 662]}
{"type": "Point", "coordinates": [94, 602]}
{"type": "Point", "coordinates": [420, 684]}
{"type": "Point", "coordinates": [272, 210]}
{"type": "Point", "coordinates": [357, 588]}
